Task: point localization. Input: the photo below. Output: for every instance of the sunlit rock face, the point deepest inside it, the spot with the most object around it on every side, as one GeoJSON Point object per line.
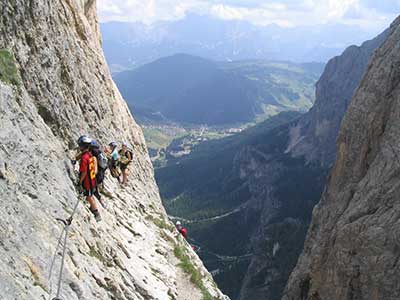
{"type": "Point", "coordinates": [55, 86]}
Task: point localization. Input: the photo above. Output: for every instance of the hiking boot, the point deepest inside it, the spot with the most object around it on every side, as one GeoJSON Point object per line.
{"type": "Point", "coordinates": [97, 218]}
{"type": "Point", "coordinates": [96, 215]}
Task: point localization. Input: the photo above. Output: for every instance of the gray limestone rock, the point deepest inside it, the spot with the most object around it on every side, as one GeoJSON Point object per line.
{"type": "Point", "coordinates": [352, 246]}
{"type": "Point", "coordinates": [62, 89]}
{"type": "Point", "coordinates": [314, 136]}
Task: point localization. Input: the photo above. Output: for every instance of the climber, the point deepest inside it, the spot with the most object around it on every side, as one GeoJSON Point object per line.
{"type": "Point", "coordinates": [126, 156]}
{"type": "Point", "coordinates": [102, 165]}
{"type": "Point", "coordinates": [87, 175]}
{"type": "Point", "coordinates": [113, 160]}
{"type": "Point", "coordinates": [182, 230]}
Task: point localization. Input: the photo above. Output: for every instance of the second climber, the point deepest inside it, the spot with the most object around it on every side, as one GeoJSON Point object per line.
{"type": "Point", "coordinates": [87, 174]}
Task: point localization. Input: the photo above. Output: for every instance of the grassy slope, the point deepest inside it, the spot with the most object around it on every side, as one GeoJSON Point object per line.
{"type": "Point", "coordinates": [157, 138]}
{"type": "Point", "coordinates": [8, 68]}
{"type": "Point", "coordinates": [291, 85]}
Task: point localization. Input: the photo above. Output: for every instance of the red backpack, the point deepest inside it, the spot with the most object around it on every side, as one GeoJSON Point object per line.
{"type": "Point", "coordinates": [183, 231]}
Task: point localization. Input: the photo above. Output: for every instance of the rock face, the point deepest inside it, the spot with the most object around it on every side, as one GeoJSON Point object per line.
{"type": "Point", "coordinates": [295, 181]}
{"type": "Point", "coordinates": [351, 250]}
{"type": "Point", "coordinates": [314, 137]}
{"type": "Point", "coordinates": [55, 86]}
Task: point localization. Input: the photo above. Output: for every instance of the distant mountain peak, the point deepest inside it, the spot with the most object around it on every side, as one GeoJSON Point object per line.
{"type": "Point", "coordinates": [218, 39]}
{"type": "Point", "coordinates": [188, 89]}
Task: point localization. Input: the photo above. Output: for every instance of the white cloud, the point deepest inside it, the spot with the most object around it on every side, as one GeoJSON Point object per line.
{"type": "Point", "coordinates": [273, 13]}
{"type": "Point", "coordinates": [337, 8]}
{"type": "Point", "coordinates": [282, 12]}
{"type": "Point", "coordinates": [146, 11]}
{"type": "Point", "coordinates": [228, 12]}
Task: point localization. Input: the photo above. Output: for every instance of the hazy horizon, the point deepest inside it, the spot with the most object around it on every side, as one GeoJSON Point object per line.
{"type": "Point", "coordinates": [137, 32]}
{"type": "Point", "coordinates": [371, 16]}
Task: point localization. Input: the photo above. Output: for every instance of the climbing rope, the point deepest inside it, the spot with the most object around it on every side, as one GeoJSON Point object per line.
{"type": "Point", "coordinates": [63, 237]}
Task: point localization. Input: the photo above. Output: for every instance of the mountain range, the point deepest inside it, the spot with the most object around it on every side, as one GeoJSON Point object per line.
{"type": "Point", "coordinates": [186, 89]}
{"type": "Point", "coordinates": [128, 45]}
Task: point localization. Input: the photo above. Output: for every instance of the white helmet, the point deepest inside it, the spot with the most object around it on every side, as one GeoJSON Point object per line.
{"type": "Point", "coordinates": [178, 223]}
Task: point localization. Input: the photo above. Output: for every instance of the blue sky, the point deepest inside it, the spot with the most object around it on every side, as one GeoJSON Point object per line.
{"type": "Point", "coordinates": [372, 15]}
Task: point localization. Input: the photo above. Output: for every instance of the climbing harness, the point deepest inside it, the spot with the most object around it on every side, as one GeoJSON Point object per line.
{"type": "Point", "coordinates": [63, 237]}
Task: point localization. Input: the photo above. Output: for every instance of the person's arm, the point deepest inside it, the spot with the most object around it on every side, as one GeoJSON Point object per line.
{"type": "Point", "coordinates": [78, 156]}
{"type": "Point", "coordinates": [129, 155]}
{"type": "Point", "coordinates": [83, 175]}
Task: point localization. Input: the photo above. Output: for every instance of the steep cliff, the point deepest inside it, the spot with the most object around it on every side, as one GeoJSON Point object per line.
{"type": "Point", "coordinates": [294, 177]}
{"type": "Point", "coordinates": [314, 137]}
{"type": "Point", "coordinates": [352, 247]}
{"type": "Point", "coordinates": [55, 86]}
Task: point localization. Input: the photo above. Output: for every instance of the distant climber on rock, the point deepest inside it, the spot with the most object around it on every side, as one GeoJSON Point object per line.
{"type": "Point", "coordinates": [182, 230]}
{"type": "Point", "coordinates": [87, 174]}
{"type": "Point", "coordinates": [114, 160]}
{"type": "Point", "coordinates": [126, 156]}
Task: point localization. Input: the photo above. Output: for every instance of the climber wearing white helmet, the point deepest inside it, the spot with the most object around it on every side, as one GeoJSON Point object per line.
{"type": "Point", "coordinates": [87, 176]}
{"type": "Point", "coordinates": [182, 230]}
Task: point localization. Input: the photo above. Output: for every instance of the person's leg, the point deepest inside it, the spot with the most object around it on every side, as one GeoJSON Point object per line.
{"type": "Point", "coordinates": [98, 196]}
{"type": "Point", "coordinates": [100, 178]}
{"type": "Point", "coordinates": [102, 189]}
{"type": "Point", "coordinates": [125, 176]}
{"type": "Point", "coordinates": [92, 202]}
{"type": "Point", "coordinates": [93, 206]}
{"type": "Point", "coordinates": [114, 170]}
{"type": "Point", "coordinates": [125, 172]}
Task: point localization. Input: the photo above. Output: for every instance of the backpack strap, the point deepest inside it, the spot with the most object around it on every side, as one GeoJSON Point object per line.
{"type": "Point", "coordinates": [88, 174]}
